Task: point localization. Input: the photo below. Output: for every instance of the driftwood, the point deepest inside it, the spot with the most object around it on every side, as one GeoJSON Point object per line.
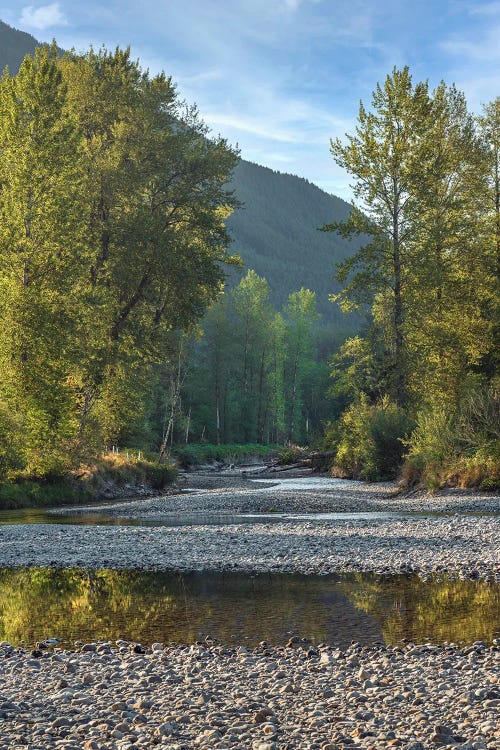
{"type": "Point", "coordinates": [311, 461]}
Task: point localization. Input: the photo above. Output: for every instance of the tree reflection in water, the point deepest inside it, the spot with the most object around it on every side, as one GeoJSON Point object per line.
{"type": "Point", "coordinates": [238, 608]}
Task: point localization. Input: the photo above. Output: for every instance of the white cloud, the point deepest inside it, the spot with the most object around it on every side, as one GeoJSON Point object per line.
{"type": "Point", "coordinates": [248, 124]}
{"type": "Point", "coordinates": [42, 17]}
{"type": "Point", "coordinates": [485, 49]}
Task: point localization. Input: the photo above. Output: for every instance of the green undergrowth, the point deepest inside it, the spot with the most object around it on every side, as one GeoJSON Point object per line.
{"type": "Point", "coordinates": [460, 449]}
{"type": "Point", "coordinates": [90, 482]}
{"type": "Point", "coordinates": [203, 453]}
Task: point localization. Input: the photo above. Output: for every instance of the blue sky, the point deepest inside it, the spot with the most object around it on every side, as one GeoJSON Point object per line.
{"type": "Point", "coordinates": [281, 77]}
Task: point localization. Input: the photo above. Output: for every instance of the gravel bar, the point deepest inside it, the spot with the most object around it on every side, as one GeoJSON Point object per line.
{"type": "Point", "coordinates": [121, 696]}
{"type": "Point", "coordinates": [216, 493]}
{"type": "Point", "coordinates": [458, 546]}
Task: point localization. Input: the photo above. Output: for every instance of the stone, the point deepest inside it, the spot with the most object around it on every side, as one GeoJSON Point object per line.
{"type": "Point", "coordinates": [262, 715]}
{"type": "Point", "coordinates": [62, 721]}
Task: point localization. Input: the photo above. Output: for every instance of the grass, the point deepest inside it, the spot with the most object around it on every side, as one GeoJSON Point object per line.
{"type": "Point", "coordinates": [86, 484]}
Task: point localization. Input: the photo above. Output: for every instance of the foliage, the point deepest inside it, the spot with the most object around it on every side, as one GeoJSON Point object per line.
{"type": "Point", "coordinates": [256, 374]}
{"type": "Point", "coordinates": [33, 494]}
{"type": "Point", "coordinates": [112, 244]}
{"type": "Point", "coordinates": [427, 188]}
{"type": "Point", "coordinates": [370, 440]}
{"type": "Point", "coordinates": [461, 448]}
{"type": "Point", "coordinates": [290, 455]}
{"type": "Point", "coordinates": [277, 230]}
{"type": "Point", "coordinates": [87, 483]}
{"type": "Point", "coordinates": [277, 227]}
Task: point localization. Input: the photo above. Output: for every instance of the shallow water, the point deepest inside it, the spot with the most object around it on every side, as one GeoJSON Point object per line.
{"type": "Point", "coordinates": [89, 518]}
{"type": "Point", "coordinates": [73, 604]}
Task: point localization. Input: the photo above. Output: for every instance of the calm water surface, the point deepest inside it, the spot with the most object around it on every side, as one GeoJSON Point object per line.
{"type": "Point", "coordinates": [82, 605]}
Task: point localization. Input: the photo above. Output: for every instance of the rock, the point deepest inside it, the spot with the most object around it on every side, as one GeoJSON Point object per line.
{"type": "Point", "coordinates": [262, 715]}
{"type": "Point", "coordinates": [363, 674]}
{"type": "Point", "coordinates": [166, 729]}
{"type": "Point", "coordinates": [62, 721]}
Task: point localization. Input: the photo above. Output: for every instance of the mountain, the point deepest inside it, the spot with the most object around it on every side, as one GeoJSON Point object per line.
{"type": "Point", "coordinates": [14, 46]}
{"type": "Point", "coordinates": [276, 231]}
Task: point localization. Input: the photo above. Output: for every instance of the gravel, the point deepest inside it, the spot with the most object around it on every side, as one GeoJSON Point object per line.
{"type": "Point", "coordinates": [460, 546]}
{"type": "Point", "coordinates": [121, 696]}
{"type": "Point", "coordinates": [449, 542]}
{"type": "Point", "coordinates": [223, 493]}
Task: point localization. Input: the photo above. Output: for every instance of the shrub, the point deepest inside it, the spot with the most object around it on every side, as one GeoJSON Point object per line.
{"type": "Point", "coordinates": [290, 455]}
{"type": "Point", "coordinates": [371, 440]}
{"type": "Point", "coordinates": [195, 454]}
{"type": "Point", "coordinates": [459, 449]}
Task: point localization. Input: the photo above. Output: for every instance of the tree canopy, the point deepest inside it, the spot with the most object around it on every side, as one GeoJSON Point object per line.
{"type": "Point", "coordinates": [113, 200]}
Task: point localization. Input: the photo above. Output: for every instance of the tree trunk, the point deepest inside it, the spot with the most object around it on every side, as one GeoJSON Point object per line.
{"type": "Point", "coordinates": [398, 304]}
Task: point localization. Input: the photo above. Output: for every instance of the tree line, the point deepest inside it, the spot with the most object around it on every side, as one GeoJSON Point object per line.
{"type": "Point", "coordinates": [112, 243]}
{"type": "Point", "coordinates": [423, 379]}
{"type": "Point", "coordinates": [254, 375]}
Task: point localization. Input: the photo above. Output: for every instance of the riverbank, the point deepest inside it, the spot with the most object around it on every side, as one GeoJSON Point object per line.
{"type": "Point", "coordinates": [235, 492]}
{"type": "Point", "coordinates": [103, 697]}
{"type": "Point", "coordinates": [110, 477]}
{"type": "Point", "coordinates": [457, 535]}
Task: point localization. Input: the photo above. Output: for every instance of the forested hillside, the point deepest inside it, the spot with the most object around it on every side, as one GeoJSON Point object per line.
{"type": "Point", "coordinates": [276, 230]}
{"type": "Point", "coordinates": [14, 45]}
{"type": "Point", "coordinates": [276, 234]}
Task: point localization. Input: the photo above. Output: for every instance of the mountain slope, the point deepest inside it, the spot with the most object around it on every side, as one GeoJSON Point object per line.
{"type": "Point", "coordinates": [14, 46]}
{"type": "Point", "coordinates": [276, 231]}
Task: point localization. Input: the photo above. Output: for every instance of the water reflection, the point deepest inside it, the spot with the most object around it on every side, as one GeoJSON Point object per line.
{"type": "Point", "coordinates": [147, 606]}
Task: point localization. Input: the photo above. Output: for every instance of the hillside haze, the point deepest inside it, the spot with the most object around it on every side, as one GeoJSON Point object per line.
{"type": "Point", "coordinates": [276, 230]}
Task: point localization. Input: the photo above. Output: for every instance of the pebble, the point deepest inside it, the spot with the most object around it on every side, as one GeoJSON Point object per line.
{"type": "Point", "coordinates": [452, 544]}
{"type": "Point", "coordinates": [242, 701]}
{"type": "Point", "coordinates": [465, 547]}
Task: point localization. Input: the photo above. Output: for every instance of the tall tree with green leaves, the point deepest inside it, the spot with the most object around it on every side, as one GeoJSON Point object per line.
{"type": "Point", "coordinates": [40, 252]}
{"type": "Point", "coordinates": [301, 316]}
{"type": "Point", "coordinates": [113, 243]}
{"type": "Point", "coordinates": [253, 318]}
{"type": "Point", "coordinates": [381, 157]}
{"type": "Point", "coordinates": [489, 124]}
{"type": "Point", "coordinates": [446, 330]}
{"type": "Point", "coordinates": [154, 228]}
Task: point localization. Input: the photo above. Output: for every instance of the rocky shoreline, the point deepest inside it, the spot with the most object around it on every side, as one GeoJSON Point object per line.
{"type": "Point", "coordinates": [235, 493]}
{"type": "Point", "coordinates": [104, 696]}
{"type": "Point", "coordinates": [423, 535]}
{"type": "Point", "coordinates": [454, 546]}
{"type": "Point", "coordinates": [107, 696]}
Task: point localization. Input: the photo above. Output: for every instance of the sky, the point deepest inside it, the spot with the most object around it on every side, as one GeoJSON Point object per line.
{"type": "Point", "coordinates": [279, 78]}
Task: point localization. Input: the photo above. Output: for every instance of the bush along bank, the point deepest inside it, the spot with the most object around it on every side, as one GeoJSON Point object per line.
{"type": "Point", "coordinates": [110, 476]}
